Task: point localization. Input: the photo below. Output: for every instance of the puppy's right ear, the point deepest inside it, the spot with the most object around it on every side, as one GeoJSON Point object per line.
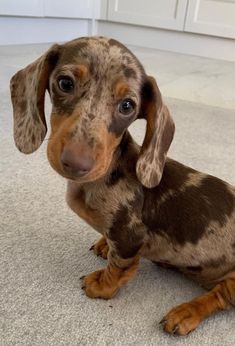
{"type": "Point", "coordinates": [28, 87]}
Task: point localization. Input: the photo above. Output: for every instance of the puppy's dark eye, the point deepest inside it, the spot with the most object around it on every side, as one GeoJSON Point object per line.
{"type": "Point", "coordinates": [127, 107]}
{"type": "Point", "coordinates": [66, 83]}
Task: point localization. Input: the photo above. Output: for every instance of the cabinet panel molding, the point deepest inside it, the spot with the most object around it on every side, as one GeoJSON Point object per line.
{"type": "Point", "coordinates": [52, 8]}
{"type": "Point", "coordinates": [211, 17]}
{"type": "Point", "coordinates": [32, 8]}
{"type": "Point", "coordinates": [168, 14]}
{"type": "Point", "coordinates": [72, 8]}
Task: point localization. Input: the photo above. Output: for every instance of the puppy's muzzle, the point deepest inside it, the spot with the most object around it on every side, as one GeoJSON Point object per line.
{"type": "Point", "coordinates": [75, 160]}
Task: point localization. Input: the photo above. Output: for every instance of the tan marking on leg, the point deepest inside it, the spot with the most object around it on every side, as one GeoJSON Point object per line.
{"type": "Point", "coordinates": [186, 317]}
{"type": "Point", "coordinates": [105, 283]}
{"type": "Point", "coordinates": [101, 248]}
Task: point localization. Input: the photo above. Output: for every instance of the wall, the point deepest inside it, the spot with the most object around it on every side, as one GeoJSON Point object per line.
{"type": "Point", "coordinates": [35, 21]}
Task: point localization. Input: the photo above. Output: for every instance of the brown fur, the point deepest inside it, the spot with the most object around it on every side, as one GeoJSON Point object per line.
{"type": "Point", "coordinates": [143, 203]}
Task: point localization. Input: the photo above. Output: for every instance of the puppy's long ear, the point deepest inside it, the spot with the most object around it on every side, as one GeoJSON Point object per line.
{"type": "Point", "coordinates": [28, 88]}
{"type": "Point", "coordinates": [159, 134]}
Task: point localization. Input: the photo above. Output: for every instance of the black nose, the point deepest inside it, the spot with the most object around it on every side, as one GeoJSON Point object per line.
{"type": "Point", "coordinates": [76, 161]}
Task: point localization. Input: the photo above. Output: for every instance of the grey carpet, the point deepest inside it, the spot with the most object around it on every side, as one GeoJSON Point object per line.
{"type": "Point", "coordinates": [44, 247]}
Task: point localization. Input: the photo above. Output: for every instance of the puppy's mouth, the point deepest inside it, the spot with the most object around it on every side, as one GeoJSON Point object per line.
{"type": "Point", "coordinates": [75, 175]}
{"type": "Point", "coordinates": [84, 169]}
{"type": "Point", "coordinates": [85, 176]}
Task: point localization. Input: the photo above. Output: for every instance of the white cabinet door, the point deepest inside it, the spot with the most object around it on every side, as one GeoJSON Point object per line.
{"type": "Point", "coordinates": [169, 14]}
{"type": "Point", "coordinates": [212, 17]}
{"type": "Point", "coordinates": [72, 8]}
{"type": "Point", "coordinates": [33, 8]}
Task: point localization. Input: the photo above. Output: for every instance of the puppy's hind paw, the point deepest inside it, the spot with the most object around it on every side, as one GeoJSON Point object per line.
{"type": "Point", "coordinates": [101, 248]}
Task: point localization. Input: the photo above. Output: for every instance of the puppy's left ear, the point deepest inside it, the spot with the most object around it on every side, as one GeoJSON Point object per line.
{"type": "Point", "coordinates": [159, 134]}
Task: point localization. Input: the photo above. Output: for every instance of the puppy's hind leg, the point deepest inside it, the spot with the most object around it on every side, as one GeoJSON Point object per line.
{"type": "Point", "coordinates": [186, 317]}
{"type": "Point", "coordinates": [101, 248]}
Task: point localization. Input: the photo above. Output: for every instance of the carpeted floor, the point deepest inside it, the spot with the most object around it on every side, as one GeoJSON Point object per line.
{"type": "Point", "coordinates": [44, 247]}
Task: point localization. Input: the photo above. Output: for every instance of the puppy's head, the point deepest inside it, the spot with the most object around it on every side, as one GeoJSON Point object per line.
{"type": "Point", "coordinates": [97, 89]}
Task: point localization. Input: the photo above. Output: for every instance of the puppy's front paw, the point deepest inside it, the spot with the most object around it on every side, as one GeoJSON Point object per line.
{"type": "Point", "coordinates": [97, 285]}
{"type": "Point", "coordinates": [182, 320]}
{"type": "Point", "coordinates": [101, 248]}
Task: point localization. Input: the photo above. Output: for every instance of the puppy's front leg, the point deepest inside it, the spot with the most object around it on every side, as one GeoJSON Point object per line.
{"type": "Point", "coordinates": [106, 282]}
{"type": "Point", "coordinates": [125, 239]}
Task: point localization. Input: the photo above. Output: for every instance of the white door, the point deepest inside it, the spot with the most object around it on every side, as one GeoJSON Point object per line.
{"type": "Point", "coordinates": [169, 14]}
{"type": "Point", "coordinates": [212, 17]}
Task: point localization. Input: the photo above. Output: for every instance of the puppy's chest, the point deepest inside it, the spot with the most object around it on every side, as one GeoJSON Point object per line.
{"type": "Point", "coordinates": [98, 207]}
{"type": "Point", "coordinates": [104, 202]}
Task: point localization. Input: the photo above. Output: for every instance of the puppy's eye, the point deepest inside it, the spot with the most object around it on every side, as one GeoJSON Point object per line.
{"type": "Point", "coordinates": [65, 84]}
{"type": "Point", "coordinates": [126, 107]}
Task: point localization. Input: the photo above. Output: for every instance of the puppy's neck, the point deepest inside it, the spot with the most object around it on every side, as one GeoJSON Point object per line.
{"type": "Point", "coordinates": [124, 158]}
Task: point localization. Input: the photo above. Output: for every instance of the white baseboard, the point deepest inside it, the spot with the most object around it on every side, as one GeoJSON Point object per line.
{"type": "Point", "coordinates": [23, 30]}
{"type": "Point", "coordinates": [181, 42]}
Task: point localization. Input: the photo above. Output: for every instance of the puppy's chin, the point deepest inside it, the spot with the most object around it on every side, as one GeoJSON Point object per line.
{"type": "Point", "coordinates": [88, 178]}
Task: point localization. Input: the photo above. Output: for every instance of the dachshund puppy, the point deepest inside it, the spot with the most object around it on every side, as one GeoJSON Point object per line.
{"type": "Point", "coordinates": [141, 202]}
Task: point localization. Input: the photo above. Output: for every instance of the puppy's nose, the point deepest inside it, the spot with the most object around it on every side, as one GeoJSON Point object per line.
{"type": "Point", "coordinates": [76, 161]}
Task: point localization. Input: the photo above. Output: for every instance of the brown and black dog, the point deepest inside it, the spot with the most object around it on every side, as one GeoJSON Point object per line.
{"type": "Point", "coordinates": [143, 203]}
